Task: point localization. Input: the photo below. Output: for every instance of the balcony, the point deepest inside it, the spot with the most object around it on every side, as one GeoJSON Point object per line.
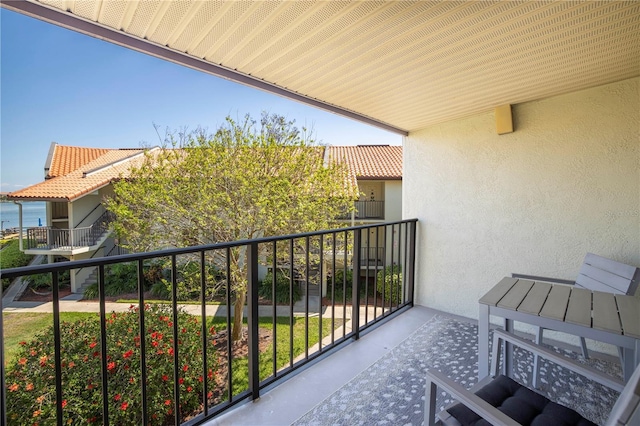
{"type": "Point", "coordinates": [50, 240]}
{"type": "Point", "coordinates": [378, 373]}
{"type": "Point", "coordinates": [306, 331]}
{"type": "Point", "coordinates": [366, 210]}
{"type": "Point", "coordinates": [372, 257]}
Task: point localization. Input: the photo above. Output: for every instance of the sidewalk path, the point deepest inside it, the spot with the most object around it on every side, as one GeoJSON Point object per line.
{"type": "Point", "coordinates": [70, 305]}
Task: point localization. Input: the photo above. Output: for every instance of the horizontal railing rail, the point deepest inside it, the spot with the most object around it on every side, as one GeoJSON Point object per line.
{"type": "Point", "coordinates": [225, 370]}
{"type": "Point", "coordinates": [51, 238]}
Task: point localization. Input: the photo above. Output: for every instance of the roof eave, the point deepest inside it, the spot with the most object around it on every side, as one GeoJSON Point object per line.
{"type": "Point", "coordinates": [379, 177]}
{"type": "Point", "coordinates": [51, 199]}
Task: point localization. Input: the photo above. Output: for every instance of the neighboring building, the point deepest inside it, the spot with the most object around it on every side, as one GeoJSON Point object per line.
{"type": "Point", "coordinates": [77, 226]}
{"type": "Point", "coordinates": [77, 179]}
{"type": "Point", "coordinates": [377, 171]}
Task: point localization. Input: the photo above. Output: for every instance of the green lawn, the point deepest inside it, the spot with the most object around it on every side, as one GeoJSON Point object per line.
{"type": "Point", "coordinates": [240, 366]}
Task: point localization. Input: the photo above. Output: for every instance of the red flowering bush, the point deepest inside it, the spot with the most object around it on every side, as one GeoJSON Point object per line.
{"type": "Point", "coordinates": [30, 379]}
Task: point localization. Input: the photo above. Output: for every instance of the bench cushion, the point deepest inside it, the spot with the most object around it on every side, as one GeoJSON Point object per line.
{"type": "Point", "coordinates": [521, 404]}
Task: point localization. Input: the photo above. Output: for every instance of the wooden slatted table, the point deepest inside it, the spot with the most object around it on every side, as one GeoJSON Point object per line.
{"type": "Point", "coordinates": [604, 317]}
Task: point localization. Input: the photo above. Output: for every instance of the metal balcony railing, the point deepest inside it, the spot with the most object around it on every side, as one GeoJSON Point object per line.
{"type": "Point", "coordinates": [367, 210]}
{"type": "Point", "coordinates": [352, 303]}
{"type": "Point", "coordinates": [51, 238]}
{"type": "Point", "coordinates": [372, 256]}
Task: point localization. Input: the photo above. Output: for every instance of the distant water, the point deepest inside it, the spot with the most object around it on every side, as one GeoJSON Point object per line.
{"type": "Point", "coordinates": [31, 212]}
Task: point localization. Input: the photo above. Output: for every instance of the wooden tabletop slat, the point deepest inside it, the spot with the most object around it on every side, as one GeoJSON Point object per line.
{"type": "Point", "coordinates": [557, 301]}
{"type": "Point", "coordinates": [605, 313]}
{"type": "Point", "coordinates": [498, 291]}
{"type": "Point", "coordinates": [515, 295]}
{"type": "Point", "coordinates": [579, 308]}
{"type": "Point", "coordinates": [629, 308]}
{"type": "Point", "coordinates": [537, 296]}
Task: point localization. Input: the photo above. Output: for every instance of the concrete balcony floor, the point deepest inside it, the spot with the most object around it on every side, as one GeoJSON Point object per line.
{"type": "Point", "coordinates": [292, 399]}
{"type": "Point", "coordinates": [379, 379]}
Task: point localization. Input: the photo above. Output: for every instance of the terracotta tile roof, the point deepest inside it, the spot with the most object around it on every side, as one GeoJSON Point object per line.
{"type": "Point", "coordinates": [382, 162]}
{"type": "Point", "coordinates": [370, 162]}
{"type": "Point", "coordinates": [86, 178]}
{"type": "Point", "coordinates": [66, 159]}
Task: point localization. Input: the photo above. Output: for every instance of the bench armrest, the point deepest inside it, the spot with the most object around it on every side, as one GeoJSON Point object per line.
{"type": "Point", "coordinates": [485, 410]}
{"type": "Point", "coordinates": [538, 278]}
{"type": "Point", "coordinates": [475, 403]}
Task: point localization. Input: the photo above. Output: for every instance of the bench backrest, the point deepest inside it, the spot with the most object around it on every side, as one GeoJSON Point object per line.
{"type": "Point", "coordinates": [602, 274]}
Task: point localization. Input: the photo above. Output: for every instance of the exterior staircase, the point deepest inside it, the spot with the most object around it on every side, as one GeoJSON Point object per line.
{"type": "Point", "coordinates": [91, 279]}
{"type": "Point", "coordinates": [314, 289]}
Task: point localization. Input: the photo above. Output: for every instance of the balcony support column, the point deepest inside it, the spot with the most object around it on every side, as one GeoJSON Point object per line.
{"type": "Point", "coordinates": [75, 286]}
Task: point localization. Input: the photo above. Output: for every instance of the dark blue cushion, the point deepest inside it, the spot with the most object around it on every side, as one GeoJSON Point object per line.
{"type": "Point", "coordinates": [521, 404]}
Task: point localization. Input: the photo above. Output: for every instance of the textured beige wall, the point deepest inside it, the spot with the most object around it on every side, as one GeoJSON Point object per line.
{"type": "Point", "coordinates": [566, 182]}
{"type": "Point", "coordinates": [392, 200]}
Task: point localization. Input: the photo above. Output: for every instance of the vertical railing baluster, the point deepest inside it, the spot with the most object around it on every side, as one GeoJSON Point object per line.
{"type": "Point", "coordinates": [412, 261]}
{"type": "Point", "coordinates": [203, 332]}
{"type": "Point", "coordinates": [344, 284]}
{"type": "Point", "coordinates": [275, 311]}
{"type": "Point", "coordinates": [333, 287]}
{"type": "Point", "coordinates": [176, 366]}
{"type": "Point", "coordinates": [405, 288]}
{"type": "Point", "coordinates": [399, 284]}
{"type": "Point", "coordinates": [143, 354]}
{"type": "Point", "coordinates": [393, 242]}
{"type": "Point", "coordinates": [375, 276]}
{"type": "Point", "coordinates": [3, 395]}
{"type": "Point", "coordinates": [384, 274]}
{"type": "Point", "coordinates": [306, 300]}
{"type": "Point", "coordinates": [320, 285]}
{"type": "Point", "coordinates": [355, 291]}
{"type": "Point", "coordinates": [252, 320]}
{"type": "Point", "coordinates": [366, 278]}
{"type": "Point", "coordinates": [291, 272]}
{"type": "Point", "coordinates": [57, 343]}
{"type": "Point", "coordinates": [103, 346]}
{"type": "Point", "coordinates": [229, 343]}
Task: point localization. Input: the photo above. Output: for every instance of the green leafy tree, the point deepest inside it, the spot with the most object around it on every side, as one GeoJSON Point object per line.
{"type": "Point", "coordinates": [247, 180]}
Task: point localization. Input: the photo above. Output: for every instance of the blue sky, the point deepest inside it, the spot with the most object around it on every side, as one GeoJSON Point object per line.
{"type": "Point", "coordinates": [58, 85]}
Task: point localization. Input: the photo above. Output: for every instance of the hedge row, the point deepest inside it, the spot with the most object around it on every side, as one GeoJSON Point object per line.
{"type": "Point", "coordinates": [12, 257]}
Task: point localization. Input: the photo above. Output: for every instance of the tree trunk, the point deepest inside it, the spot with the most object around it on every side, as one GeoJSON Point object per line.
{"type": "Point", "coordinates": [238, 308]}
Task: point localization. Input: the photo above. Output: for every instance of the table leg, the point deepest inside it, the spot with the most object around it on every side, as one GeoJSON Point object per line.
{"type": "Point", "coordinates": [628, 363]}
{"type": "Point", "coordinates": [508, 348]}
{"type": "Point", "coordinates": [536, 360]}
{"type": "Point", "coordinates": [483, 342]}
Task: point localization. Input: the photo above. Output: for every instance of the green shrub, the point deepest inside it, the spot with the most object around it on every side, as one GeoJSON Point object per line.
{"type": "Point", "coordinates": [12, 257]}
{"type": "Point", "coordinates": [189, 285]}
{"type": "Point", "coordinates": [43, 281]}
{"type": "Point", "coordinates": [282, 288]}
{"type": "Point", "coordinates": [122, 278]}
{"type": "Point", "coordinates": [30, 382]}
{"type": "Point", "coordinates": [340, 286]}
{"type": "Point", "coordinates": [390, 279]}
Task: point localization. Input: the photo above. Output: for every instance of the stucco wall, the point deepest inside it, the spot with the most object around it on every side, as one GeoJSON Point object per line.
{"type": "Point", "coordinates": [392, 200]}
{"type": "Point", "coordinates": [82, 207]}
{"type": "Point", "coordinates": [566, 182]}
